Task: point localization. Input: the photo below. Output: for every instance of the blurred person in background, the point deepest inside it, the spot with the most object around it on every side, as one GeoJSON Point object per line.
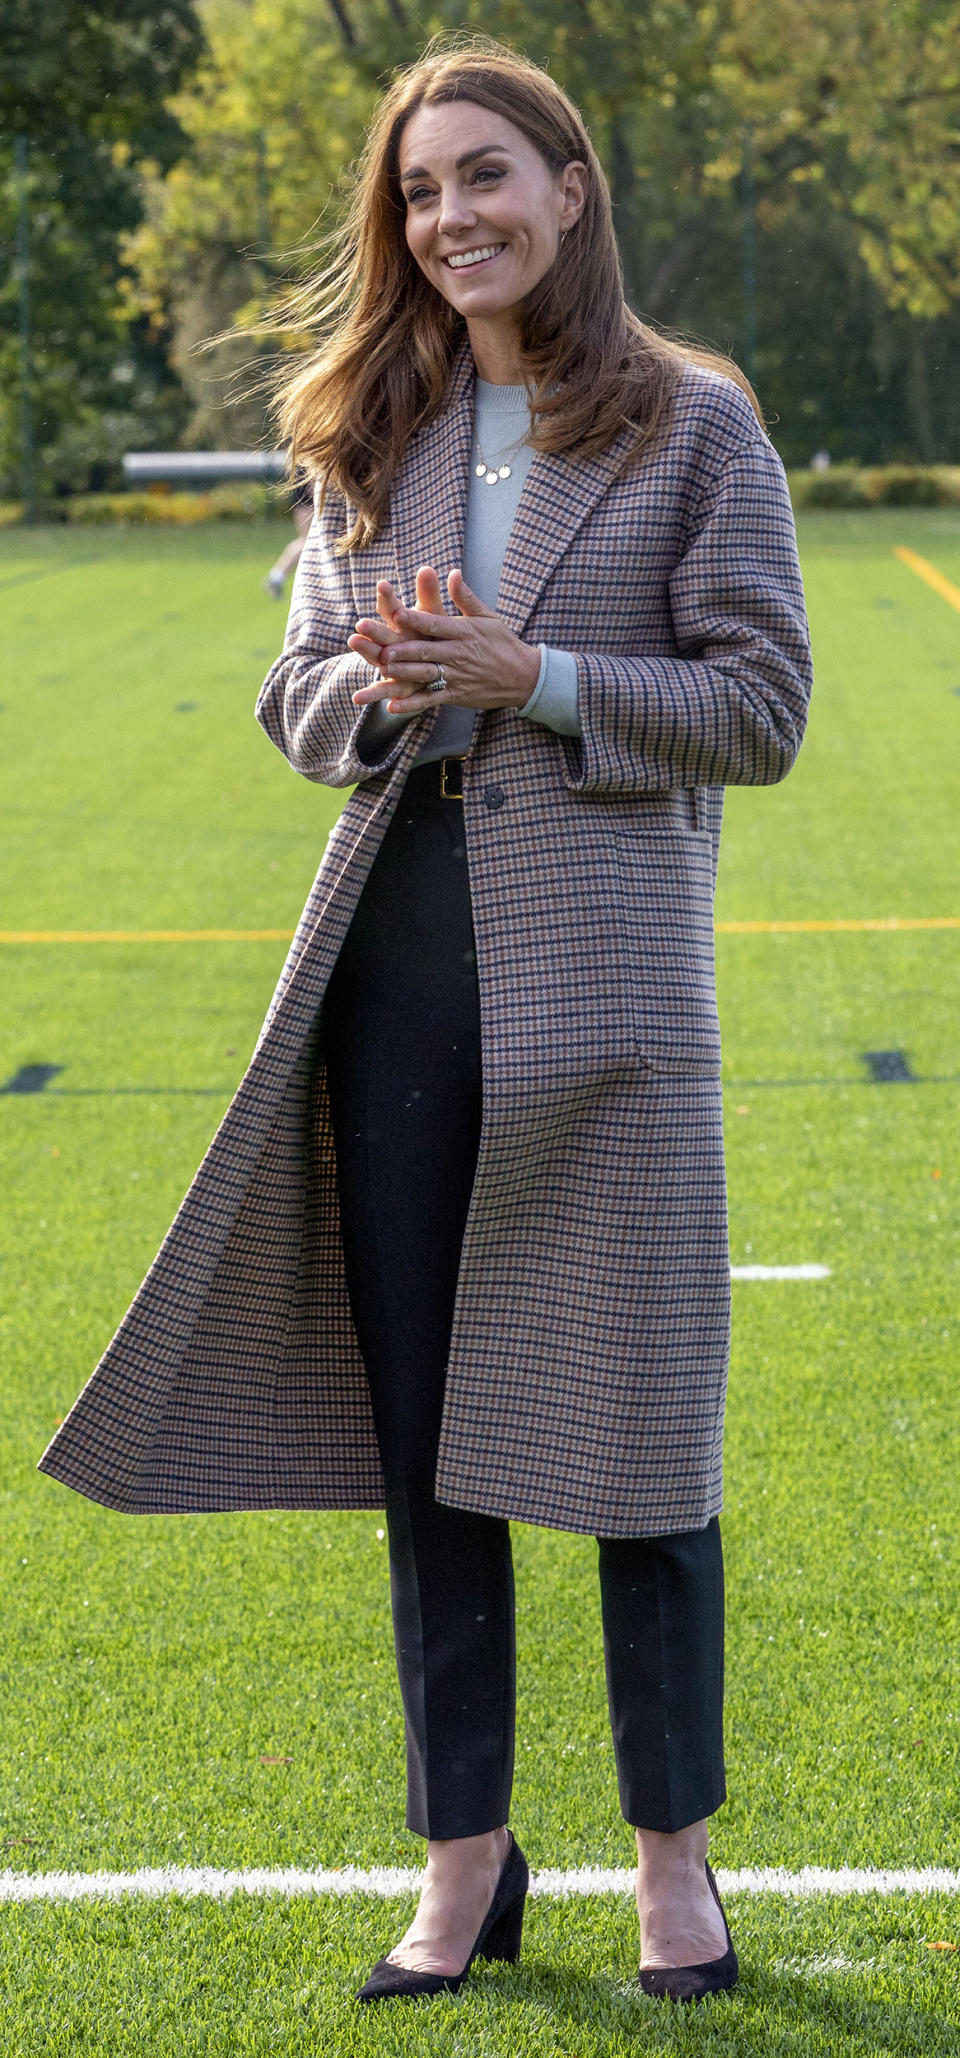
{"type": "Point", "coordinates": [460, 1244]}
{"type": "Point", "coordinates": [288, 560]}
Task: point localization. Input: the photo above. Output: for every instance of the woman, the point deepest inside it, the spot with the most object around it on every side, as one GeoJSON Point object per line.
{"type": "Point", "coordinates": [460, 1243]}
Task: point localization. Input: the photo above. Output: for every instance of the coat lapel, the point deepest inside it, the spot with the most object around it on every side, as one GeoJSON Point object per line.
{"type": "Point", "coordinates": [558, 494]}
{"type": "Point", "coordinates": [430, 501]}
{"type": "Point", "coordinates": [430, 497]}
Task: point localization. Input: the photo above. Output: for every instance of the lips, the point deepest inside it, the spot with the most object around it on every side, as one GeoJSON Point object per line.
{"type": "Point", "coordinates": [462, 260]}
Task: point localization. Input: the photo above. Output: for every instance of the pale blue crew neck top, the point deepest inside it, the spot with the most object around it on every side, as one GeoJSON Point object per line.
{"type": "Point", "coordinates": [501, 420]}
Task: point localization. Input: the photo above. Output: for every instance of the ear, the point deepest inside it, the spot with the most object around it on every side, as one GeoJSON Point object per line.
{"type": "Point", "coordinates": [573, 192]}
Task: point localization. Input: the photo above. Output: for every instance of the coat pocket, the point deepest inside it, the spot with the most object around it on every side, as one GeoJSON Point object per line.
{"type": "Point", "coordinates": [666, 941]}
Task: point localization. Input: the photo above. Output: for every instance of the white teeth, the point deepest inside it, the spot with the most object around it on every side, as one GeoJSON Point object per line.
{"type": "Point", "coordinates": [474, 256]}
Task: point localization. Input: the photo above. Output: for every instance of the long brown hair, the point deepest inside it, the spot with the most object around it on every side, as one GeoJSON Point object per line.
{"type": "Point", "coordinates": [592, 367]}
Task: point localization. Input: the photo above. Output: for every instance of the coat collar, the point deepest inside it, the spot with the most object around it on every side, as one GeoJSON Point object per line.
{"type": "Point", "coordinates": [428, 509]}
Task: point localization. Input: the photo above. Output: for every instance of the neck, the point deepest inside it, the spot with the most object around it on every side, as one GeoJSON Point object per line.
{"type": "Point", "coordinates": [496, 352]}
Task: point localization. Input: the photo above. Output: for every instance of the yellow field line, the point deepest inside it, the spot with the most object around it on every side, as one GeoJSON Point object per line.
{"type": "Point", "coordinates": [284, 935]}
{"type": "Point", "coordinates": [145, 935]}
{"type": "Point", "coordinates": [929, 572]}
{"type": "Point", "coordinates": [880, 922]}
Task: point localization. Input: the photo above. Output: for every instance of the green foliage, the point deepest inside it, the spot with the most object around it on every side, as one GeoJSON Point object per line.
{"type": "Point", "coordinates": [176, 177]}
{"type": "Point", "coordinates": [878, 486]}
{"type": "Point", "coordinates": [177, 510]}
{"type": "Point", "coordinates": [101, 72]}
{"type": "Point", "coordinates": [833, 98]}
{"type": "Point", "coordinates": [86, 91]}
{"type": "Point", "coordinates": [867, 99]}
{"type": "Point", "coordinates": [842, 486]}
{"type": "Point", "coordinates": [273, 116]}
{"type": "Point", "coordinates": [912, 486]}
{"type": "Point", "coordinates": [97, 382]}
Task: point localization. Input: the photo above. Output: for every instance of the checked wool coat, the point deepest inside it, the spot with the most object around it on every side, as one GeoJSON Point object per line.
{"type": "Point", "coordinates": [587, 1366]}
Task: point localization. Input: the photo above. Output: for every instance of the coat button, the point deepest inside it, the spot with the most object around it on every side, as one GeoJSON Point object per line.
{"type": "Point", "coordinates": [493, 798]}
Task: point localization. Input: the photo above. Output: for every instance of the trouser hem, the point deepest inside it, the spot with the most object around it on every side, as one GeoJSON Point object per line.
{"type": "Point", "coordinates": [669, 1821]}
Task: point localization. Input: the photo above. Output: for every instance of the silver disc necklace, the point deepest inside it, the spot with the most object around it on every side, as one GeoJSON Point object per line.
{"type": "Point", "coordinates": [488, 468]}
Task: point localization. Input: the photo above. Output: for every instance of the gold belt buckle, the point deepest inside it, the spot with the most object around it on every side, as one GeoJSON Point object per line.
{"type": "Point", "coordinates": [451, 778]}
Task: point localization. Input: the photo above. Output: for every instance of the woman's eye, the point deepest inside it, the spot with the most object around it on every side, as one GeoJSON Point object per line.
{"type": "Point", "coordinates": [486, 174]}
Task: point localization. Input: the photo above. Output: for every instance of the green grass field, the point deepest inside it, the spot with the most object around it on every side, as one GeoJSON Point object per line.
{"type": "Point", "coordinates": [151, 1667]}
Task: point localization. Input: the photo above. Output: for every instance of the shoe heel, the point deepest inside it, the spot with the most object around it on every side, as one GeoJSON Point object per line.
{"type": "Point", "coordinates": [502, 1942]}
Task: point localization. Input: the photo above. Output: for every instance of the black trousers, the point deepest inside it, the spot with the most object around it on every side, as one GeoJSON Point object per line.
{"type": "Point", "coordinates": [401, 1038]}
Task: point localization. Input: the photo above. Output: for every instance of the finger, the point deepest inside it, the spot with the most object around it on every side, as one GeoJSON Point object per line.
{"type": "Point", "coordinates": [429, 595]}
{"type": "Point", "coordinates": [388, 600]}
{"type": "Point", "coordinates": [424, 623]}
{"type": "Point", "coordinates": [464, 599]}
{"type": "Point", "coordinates": [401, 656]}
{"type": "Point", "coordinates": [381, 689]}
{"type": "Point", "coordinates": [401, 691]}
{"type": "Point", "coordinates": [370, 648]}
{"type": "Point", "coordinates": [421, 682]}
{"type": "Point", "coordinates": [376, 630]}
{"type": "Point", "coordinates": [372, 653]}
{"type": "Point", "coordinates": [417, 703]}
{"type": "Point", "coordinates": [408, 696]}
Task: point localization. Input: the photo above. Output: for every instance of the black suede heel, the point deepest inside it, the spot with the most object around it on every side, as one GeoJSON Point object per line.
{"type": "Point", "coordinates": [502, 1941]}
{"type": "Point", "coordinates": [693, 1982]}
{"type": "Point", "coordinates": [499, 1939]}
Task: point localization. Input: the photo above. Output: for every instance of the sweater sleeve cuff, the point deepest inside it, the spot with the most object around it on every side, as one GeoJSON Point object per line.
{"type": "Point", "coordinates": [378, 732]}
{"type": "Point", "coordinates": [554, 698]}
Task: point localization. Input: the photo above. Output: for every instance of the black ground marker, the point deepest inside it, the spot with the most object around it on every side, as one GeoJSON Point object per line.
{"type": "Point", "coordinates": [186, 707]}
{"type": "Point", "coordinates": [888, 1066]}
{"type": "Point", "coordinates": [31, 1079]}
{"type": "Point", "coordinates": [43, 572]}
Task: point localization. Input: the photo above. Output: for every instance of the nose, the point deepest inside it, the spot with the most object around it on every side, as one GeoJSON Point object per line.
{"type": "Point", "coordinates": [456, 213]}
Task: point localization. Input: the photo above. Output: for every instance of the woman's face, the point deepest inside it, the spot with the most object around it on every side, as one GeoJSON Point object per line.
{"type": "Point", "coordinates": [484, 209]}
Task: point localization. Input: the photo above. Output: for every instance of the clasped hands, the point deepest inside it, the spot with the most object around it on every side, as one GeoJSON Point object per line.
{"type": "Point", "coordinates": [485, 664]}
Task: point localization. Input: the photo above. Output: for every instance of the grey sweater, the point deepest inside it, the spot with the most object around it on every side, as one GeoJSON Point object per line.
{"type": "Point", "coordinates": [501, 419]}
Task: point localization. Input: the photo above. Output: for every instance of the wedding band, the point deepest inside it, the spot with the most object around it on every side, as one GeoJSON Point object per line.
{"type": "Point", "coordinates": [437, 685]}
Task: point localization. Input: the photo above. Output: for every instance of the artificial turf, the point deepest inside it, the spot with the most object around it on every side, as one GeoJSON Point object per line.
{"type": "Point", "coordinates": [263, 1977]}
{"type": "Point", "coordinates": [150, 1667]}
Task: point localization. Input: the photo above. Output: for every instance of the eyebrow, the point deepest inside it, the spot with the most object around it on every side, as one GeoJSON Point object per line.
{"type": "Point", "coordinates": [485, 150]}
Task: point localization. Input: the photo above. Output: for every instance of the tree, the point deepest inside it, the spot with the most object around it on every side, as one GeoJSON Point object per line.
{"type": "Point", "coordinates": [85, 90]}
{"type": "Point", "coordinates": [866, 98]}
{"type": "Point", "coordinates": [828, 127]}
{"type": "Point", "coordinates": [272, 115]}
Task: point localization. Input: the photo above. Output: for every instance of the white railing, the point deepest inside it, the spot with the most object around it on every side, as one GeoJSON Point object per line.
{"type": "Point", "coordinates": [195, 467]}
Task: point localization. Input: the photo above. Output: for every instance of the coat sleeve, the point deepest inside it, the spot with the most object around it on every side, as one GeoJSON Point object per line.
{"type": "Point", "coordinates": [731, 706]}
{"type": "Point", "coordinates": [305, 703]}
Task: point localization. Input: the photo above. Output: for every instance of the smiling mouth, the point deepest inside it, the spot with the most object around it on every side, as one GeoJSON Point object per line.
{"type": "Point", "coordinates": [462, 260]}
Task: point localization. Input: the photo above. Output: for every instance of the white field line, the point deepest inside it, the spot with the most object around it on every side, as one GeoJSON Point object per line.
{"type": "Point", "coordinates": [161, 1882]}
{"type": "Point", "coordinates": [779, 1271]}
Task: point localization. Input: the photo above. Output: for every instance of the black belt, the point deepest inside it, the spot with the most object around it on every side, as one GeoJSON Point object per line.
{"type": "Point", "coordinates": [440, 777]}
